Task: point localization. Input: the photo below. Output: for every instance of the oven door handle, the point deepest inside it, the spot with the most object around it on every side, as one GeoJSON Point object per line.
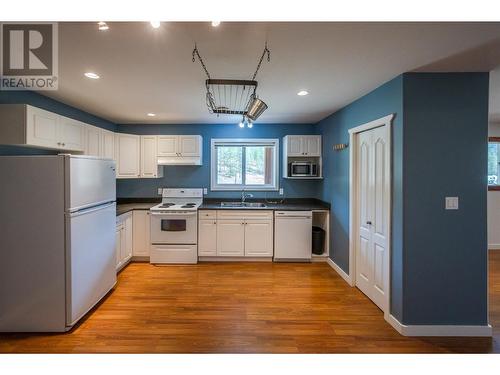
{"type": "Point", "coordinates": [188, 213]}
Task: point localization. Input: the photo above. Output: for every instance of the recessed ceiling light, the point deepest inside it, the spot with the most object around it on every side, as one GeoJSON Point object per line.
{"type": "Point", "coordinates": [92, 75]}
{"type": "Point", "coordinates": [215, 23]}
{"type": "Point", "coordinates": [155, 24]}
{"type": "Point", "coordinates": [302, 93]}
{"type": "Point", "coordinates": [103, 26]}
{"type": "Point", "coordinates": [151, 114]}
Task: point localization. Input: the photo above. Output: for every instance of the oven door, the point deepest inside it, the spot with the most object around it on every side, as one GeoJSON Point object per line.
{"type": "Point", "coordinates": [173, 227]}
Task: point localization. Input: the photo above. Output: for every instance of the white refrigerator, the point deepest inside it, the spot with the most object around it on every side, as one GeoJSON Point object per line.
{"type": "Point", "coordinates": [57, 239]}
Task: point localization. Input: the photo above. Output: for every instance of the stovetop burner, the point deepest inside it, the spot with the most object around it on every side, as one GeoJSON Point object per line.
{"type": "Point", "coordinates": [189, 205]}
{"type": "Point", "coordinates": [167, 205]}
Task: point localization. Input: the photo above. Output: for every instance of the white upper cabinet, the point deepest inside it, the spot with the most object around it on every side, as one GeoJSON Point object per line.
{"type": "Point", "coordinates": [295, 145]}
{"type": "Point", "coordinates": [179, 150]}
{"type": "Point", "coordinates": [312, 145]}
{"type": "Point", "coordinates": [22, 124]}
{"type": "Point", "coordinates": [303, 145]}
{"type": "Point", "coordinates": [71, 134]}
{"type": "Point", "coordinates": [93, 141]}
{"type": "Point", "coordinates": [189, 145]}
{"type": "Point", "coordinates": [127, 151]}
{"type": "Point", "coordinates": [42, 128]}
{"type": "Point", "coordinates": [149, 159]}
{"type": "Point", "coordinates": [107, 144]}
{"type": "Point", "coordinates": [167, 145]}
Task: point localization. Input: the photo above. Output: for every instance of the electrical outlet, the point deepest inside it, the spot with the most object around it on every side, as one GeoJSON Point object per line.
{"type": "Point", "coordinates": [281, 191]}
{"type": "Point", "coordinates": [205, 191]}
{"type": "Point", "coordinates": [160, 191]}
{"type": "Point", "coordinates": [451, 203]}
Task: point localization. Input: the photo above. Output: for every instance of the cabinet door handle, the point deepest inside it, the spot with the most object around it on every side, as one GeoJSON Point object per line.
{"type": "Point", "coordinates": [215, 222]}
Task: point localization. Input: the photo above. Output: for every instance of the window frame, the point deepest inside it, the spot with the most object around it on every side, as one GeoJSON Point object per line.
{"type": "Point", "coordinates": [273, 142]}
{"type": "Point", "coordinates": [494, 140]}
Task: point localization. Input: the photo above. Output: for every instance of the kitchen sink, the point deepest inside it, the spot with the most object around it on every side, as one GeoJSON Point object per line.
{"type": "Point", "coordinates": [243, 204]}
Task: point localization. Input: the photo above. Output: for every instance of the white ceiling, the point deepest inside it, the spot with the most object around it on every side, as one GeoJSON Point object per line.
{"type": "Point", "coordinates": [150, 70]}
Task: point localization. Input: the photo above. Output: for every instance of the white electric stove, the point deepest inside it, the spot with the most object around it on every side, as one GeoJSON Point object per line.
{"type": "Point", "coordinates": [174, 226]}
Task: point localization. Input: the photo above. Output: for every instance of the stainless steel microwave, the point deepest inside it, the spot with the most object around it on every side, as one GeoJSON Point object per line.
{"type": "Point", "coordinates": [303, 169]}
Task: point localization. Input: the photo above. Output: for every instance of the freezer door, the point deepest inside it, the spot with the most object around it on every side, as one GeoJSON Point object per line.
{"type": "Point", "coordinates": [90, 258]}
{"type": "Point", "coordinates": [89, 182]}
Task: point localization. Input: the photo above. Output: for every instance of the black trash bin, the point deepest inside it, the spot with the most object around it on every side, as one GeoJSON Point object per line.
{"type": "Point", "coordinates": [318, 240]}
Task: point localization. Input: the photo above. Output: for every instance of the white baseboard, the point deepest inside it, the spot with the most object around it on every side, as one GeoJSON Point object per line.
{"type": "Point", "coordinates": [439, 330]}
{"type": "Point", "coordinates": [340, 271]}
{"type": "Point", "coordinates": [494, 246]}
{"type": "Point", "coordinates": [234, 259]}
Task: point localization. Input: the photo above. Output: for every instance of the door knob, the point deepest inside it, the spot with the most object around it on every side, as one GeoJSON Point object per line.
{"type": "Point", "coordinates": [369, 223]}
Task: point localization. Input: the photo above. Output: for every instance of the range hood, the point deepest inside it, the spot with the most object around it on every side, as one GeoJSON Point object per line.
{"type": "Point", "coordinates": [176, 160]}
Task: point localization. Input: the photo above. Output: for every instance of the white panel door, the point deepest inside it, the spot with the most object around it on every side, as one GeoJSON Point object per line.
{"type": "Point", "coordinates": [373, 179]}
{"type": "Point", "coordinates": [189, 145]}
{"type": "Point", "coordinates": [312, 145]}
{"type": "Point", "coordinates": [231, 237]}
{"type": "Point", "coordinates": [149, 156]}
{"type": "Point", "coordinates": [71, 134]}
{"type": "Point", "coordinates": [259, 238]}
{"type": "Point", "coordinates": [168, 145]}
{"type": "Point", "coordinates": [207, 237]}
{"type": "Point", "coordinates": [141, 233]}
{"type": "Point", "coordinates": [93, 146]}
{"type": "Point", "coordinates": [42, 128]}
{"type": "Point", "coordinates": [128, 155]}
{"type": "Point", "coordinates": [108, 144]}
{"type": "Point", "coordinates": [295, 145]}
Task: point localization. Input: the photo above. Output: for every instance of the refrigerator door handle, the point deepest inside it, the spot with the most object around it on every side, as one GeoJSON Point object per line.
{"type": "Point", "coordinates": [90, 210]}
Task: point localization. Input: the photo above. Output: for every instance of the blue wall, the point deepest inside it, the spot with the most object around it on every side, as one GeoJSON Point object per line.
{"type": "Point", "coordinates": [199, 176]}
{"type": "Point", "coordinates": [384, 100]}
{"type": "Point", "coordinates": [445, 154]}
{"type": "Point", "coordinates": [44, 102]}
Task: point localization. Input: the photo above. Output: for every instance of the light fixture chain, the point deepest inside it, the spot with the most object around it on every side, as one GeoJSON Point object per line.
{"type": "Point", "coordinates": [266, 50]}
{"type": "Point", "coordinates": [197, 53]}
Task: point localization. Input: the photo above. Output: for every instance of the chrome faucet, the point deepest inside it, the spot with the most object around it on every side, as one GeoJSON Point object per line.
{"type": "Point", "coordinates": [245, 196]}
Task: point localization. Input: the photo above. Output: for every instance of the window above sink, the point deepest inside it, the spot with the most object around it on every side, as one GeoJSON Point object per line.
{"type": "Point", "coordinates": [245, 164]}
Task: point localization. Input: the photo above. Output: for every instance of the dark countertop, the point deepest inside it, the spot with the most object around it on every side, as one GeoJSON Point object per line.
{"type": "Point", "coordinates": [124, 205]}
{"type": "Point", "coordinates": [292, 204]}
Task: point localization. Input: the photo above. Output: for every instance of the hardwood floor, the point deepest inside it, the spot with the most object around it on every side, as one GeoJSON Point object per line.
{"type": "Point", "coordinates": [243, 308]}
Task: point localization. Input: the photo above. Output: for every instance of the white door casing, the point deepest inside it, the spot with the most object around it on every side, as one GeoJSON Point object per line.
{"type": "Point", "coordinates": [370, 207]}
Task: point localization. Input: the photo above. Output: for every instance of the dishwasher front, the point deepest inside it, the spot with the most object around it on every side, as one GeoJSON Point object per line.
{"type": "Point", "coordinates": [292, 236]}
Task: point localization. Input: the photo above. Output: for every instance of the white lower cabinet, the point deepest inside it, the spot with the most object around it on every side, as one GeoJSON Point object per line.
{"type": "Point", "coordinates": [141, 233]}
{"type": "Point", "coordinates": [229, 233]}
{"type": "Point", "coordinates": [207, 237]}
{"type": "Point", "coordinates": [259, 238]}
{"type": "Point", "coordinates": [124, 240]}
{"type": "Point", "coordinates": [231, 237]}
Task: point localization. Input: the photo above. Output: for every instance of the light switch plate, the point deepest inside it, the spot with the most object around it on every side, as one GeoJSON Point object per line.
{"type": "Point", "coordinates": [281, 191]}
{"type": "Point", "coordinates": [205, 191]}
{"type": "Point", "coordinates": [160, 191]}
{"type": "Point", "coordinates": [451, 203]}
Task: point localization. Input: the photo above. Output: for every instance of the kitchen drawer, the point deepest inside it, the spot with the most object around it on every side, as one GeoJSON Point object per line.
{"type": "Point", "coordinates": [207, 214]}
{"type": "Point", "coordinates": [244, 214]}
